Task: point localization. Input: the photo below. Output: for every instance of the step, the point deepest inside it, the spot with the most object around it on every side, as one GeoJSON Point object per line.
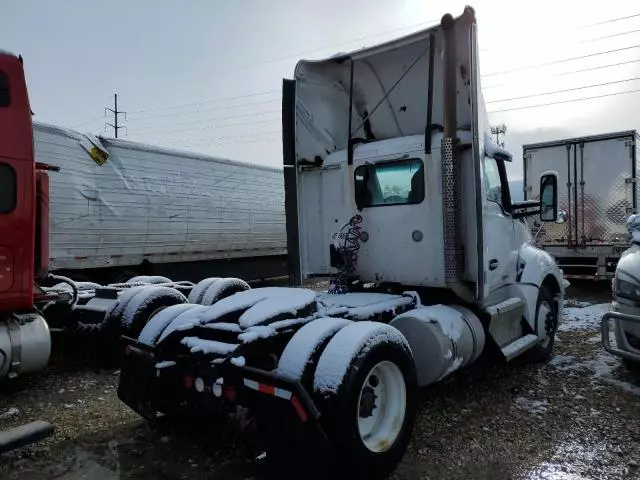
{"type": "Point", "coordinates": [518, 346]}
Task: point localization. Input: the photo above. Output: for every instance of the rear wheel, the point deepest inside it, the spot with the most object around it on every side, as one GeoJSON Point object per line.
{"type": "Point", "coordinates": [370, 410]}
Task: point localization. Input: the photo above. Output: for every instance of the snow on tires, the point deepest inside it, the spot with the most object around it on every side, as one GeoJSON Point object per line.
{"type": "Point", "coordinates": [300, 350]}
{"type": "Point", "coordinates": [223, 288]}
{"type": "Point", "coordinates": [195, 295]}
{"type": "Point", "coordinates": [345, 346]}
{"type": "Point", "coordinates": [145, 296]}
{"type": "Point", "coordinates": [154, 328]}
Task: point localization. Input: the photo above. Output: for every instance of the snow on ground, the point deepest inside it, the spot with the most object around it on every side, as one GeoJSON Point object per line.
{"type": "Point", "coordinates": [536, 407]}
{"type": "Point", "coordinates": [583, 317]}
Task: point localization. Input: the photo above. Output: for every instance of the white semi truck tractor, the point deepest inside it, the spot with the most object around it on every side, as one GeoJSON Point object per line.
{"type": "Point", "coordinates": [393, 188]}
{"type": "Point", "coordinates": [624, 319]}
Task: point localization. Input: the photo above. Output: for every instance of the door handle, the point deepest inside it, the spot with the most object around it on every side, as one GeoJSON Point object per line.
{"type": "Point", "coordinates": [493, 264]}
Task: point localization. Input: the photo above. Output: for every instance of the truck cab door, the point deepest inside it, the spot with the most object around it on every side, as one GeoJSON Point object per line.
{"type": "Point", "coordinates": [499, 235]}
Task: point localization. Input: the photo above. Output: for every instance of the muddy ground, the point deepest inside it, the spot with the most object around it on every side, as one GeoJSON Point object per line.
{"type": "Point", "coordinates": [576, 417]}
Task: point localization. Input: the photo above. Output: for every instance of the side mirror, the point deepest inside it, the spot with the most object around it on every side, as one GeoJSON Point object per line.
{"type": "Point", "coordinates": [549, 197]}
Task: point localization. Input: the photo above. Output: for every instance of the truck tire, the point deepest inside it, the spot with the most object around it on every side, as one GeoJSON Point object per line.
{"type": "Point", "coordinates": [138, 279]}
{"type": "Point", "coordinates": [223, 288]}
{"type": "Point", "coordinates": [148, 302]}
{"type": "Point", "coordinates": [300, 356]}
{"type": "Point", "coordinates": [195, 296]}
{"type": "Point", "coordinates": [156, 279]}
{"type": "Point", "coordinates": [547, 312]}
{"type": "Point", "coordinates": [365, 385]}
{"type": "Point", "coordinates": [155, 326]}
{"type": "Point", "coordinates": [112, 317]}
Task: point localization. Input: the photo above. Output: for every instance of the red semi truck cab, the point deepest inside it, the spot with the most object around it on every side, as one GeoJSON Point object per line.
{"type": "Point", "coordinates": [23, 193]}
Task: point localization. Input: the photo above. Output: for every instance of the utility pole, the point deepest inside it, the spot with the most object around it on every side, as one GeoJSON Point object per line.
{"type": "Point", "coordinates": [497, 131]}
{"type": "Point", "coordinates": [115, 112]}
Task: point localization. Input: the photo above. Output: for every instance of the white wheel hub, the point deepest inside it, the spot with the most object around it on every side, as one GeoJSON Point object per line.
{"type": "Point", "coordinates": [382, 406]}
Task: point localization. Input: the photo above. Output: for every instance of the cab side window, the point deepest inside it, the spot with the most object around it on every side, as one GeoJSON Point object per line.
{"type": "Point", "coordinates": [492, 183]}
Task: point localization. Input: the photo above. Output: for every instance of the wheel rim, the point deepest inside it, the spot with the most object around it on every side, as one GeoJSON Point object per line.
{"type": "Point", "coordinates": [382, 406]}
{"type": "Point", "coordinates": [546, 316]}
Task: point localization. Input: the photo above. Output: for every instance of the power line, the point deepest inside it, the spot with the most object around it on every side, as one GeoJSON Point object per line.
{"type": "Point", "coordinates": [545, 64]}
{"type": "Point", "coordinates": [228, 137]}
{"type": "Point", "coordinates": [193, 122]}
{"type": "Point", "coordinates": [206, 127]}
{"type": "Point", "coordinates": [88, 121]}
{"type": "Point", "coordinates": [216, 100]}
{"type": "Point", "coordinates": [564, 90]}
{"type": "Point", "coordinates": [191, 145]}
{"type": "Point", "coordinates": [609, 36]}
{"type": "Point", "coordinates": [564, 101]}
{"type": "Point", "coordinates": [572, 72]}
{"type": "Point", "coordinates": [223, 107]}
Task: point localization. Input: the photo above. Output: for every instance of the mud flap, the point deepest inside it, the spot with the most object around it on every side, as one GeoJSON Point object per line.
{"type": "Point", "coordinates": [290, 426]}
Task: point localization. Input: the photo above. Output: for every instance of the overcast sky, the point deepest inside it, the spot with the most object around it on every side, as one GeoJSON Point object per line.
{"type": "Point", "coordinates": [205, 75]}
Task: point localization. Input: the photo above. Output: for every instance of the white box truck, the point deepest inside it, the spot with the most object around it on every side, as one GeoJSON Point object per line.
{"type": "Point", "coordinates": [597, 192]}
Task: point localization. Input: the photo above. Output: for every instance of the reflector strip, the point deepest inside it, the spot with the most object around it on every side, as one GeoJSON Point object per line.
{"type": "Point", "coordinates": [277, 392]}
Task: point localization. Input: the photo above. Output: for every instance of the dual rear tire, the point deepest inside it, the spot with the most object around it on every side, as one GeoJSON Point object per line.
{"type": "Point", "coordinates": [363, 380]}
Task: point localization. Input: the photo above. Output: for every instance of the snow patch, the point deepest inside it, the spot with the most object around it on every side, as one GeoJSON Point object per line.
{"type": "Point", "coordinates": [256, 333]}
{"type": "Point", "coordinates": [183, 321]}
{"type": "Point", "coordinates": [583, 318]}
{"type": "Point", "coordinates": [165, 364]}
{"type": "Point", "coordinates": [448, 319]}
{"type": "Point", "coordinates": [455, 365]}
{"type": "Point", "coordinates": [602, 368]}
{"type": "Point", "coordinates": [362, 306]}
{"type": "Point", "coordinates": [227, 327]}
{"type": "Point", "coordinates": [535, 407]}
{"type": "Point", "coordinates": [298, 352]}
{"type": "Point", "coordinates": [12, 412]}
{"type": "Point", "coordinates": [199, 345]}
{"type": "Point", "coordinates": [238, 361]}
{"type": "Point", "coordinates": [280, 301]}
{"type": "Point", "coordinates": [349, 343]}
{"type": "Point", "coordinates": [154, 328]}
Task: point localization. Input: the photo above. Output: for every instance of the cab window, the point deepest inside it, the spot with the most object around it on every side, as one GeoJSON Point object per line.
{"type": "Point", "coordinates": [7, 188]}
{"type": "Point", "coordinates": [390, 183]}
{"type": "Point", "coordinates": [5, 99]}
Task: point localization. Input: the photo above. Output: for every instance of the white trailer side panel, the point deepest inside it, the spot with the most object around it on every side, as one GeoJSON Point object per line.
{"type": "Point", "coordinates": [597, 188]}
{"type": "Point", "coordinates": [156, 204]}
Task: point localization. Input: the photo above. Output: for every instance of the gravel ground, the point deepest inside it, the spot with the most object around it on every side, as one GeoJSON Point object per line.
{"type": "Point", "coordinates": [576, 417]}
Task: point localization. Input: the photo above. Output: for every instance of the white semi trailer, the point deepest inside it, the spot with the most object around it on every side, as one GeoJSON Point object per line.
{"type": "Point", "coordinates": [393, 187]}
{"type": "Point", "coordinates": [120, 209]}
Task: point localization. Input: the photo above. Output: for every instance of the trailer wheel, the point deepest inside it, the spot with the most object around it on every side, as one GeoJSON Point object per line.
{"type": "Point", "coordinates": [155, 279]}
{"type": "Point", "coordinates": [547, 313]}
{"type": "Point", "coordinates": [149, 302]}
{"type": "Point", "coordinates": [300, 356]}
{"type": "Point", "coordinates": [195, 296]}
{"type": "Point", "coordinates": [157, 323]}
{"type": "Point", "coordinates": [138, 279]}
{"type": "Point", "coordinates": [365, 383]}
{"type": "Point", "coordinates": [223, 288]}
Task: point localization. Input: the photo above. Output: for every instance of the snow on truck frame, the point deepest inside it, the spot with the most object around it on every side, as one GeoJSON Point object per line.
{"type": "Point", "coordinates": [392, 186]}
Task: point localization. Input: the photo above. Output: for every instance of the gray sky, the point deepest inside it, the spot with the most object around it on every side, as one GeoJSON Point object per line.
{"type": "Point", "coordinates": [205, 75]}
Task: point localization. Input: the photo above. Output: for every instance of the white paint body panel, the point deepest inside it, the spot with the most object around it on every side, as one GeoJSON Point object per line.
{"type": "Point", "coordinates": [157, 204]}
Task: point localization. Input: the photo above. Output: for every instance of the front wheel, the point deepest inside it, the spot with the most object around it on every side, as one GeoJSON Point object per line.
{"type": "Point", "coordinates": [547, 315]}
{"type": "Point", "coordinates": [369, 405]}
